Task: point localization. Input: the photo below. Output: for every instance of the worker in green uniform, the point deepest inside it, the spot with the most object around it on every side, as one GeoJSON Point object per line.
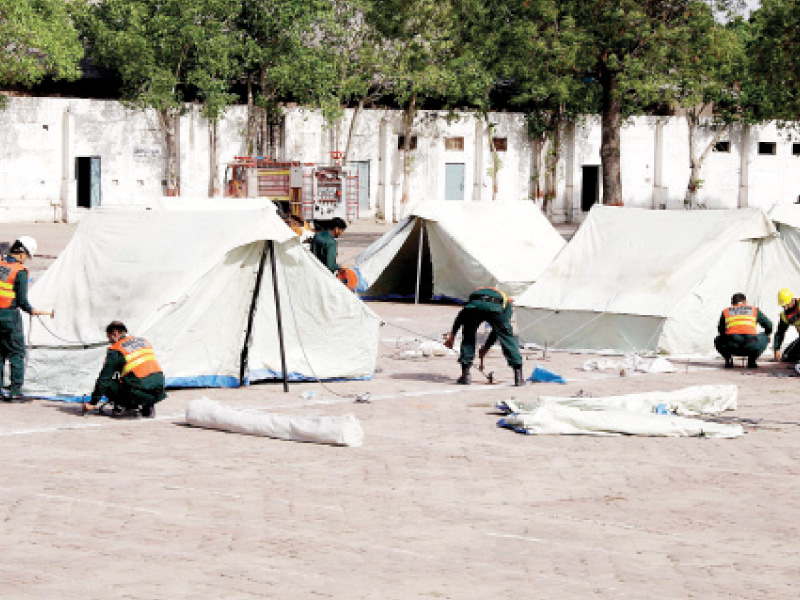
{"type": "Point", "coordinates": [323, 244]}
{"type": "Point", "coordinates": [738, 333]}
{"type": "Point", "coordinates": [131, 378]}
{"type": "Point", "coordinates": [493, 307]}
{"type": "Point", "coordinates": [790, 317]}
{"type": "Point", "coordinates": [13, 298]}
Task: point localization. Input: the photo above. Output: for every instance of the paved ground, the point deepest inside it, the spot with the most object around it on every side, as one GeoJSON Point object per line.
{"type": "Point", "coordinates": [439, 503]}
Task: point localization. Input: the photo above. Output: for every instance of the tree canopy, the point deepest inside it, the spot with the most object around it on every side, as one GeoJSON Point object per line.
{"type": "Point", "coordinates": [37, 40]}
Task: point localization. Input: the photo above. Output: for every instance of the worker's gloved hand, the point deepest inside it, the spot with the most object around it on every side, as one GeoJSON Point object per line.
{"type": "Point", "coordinates": [448, 342]}
{"type": "Point", "coordinates": [777, 356]}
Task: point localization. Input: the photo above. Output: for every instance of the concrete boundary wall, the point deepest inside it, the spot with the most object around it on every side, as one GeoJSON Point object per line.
{"type": "Point", "coordinates": [45, 139]}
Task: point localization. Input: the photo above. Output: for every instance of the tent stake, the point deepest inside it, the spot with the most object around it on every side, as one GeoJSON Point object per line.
{"type": "Point", "coordinates": [419, 259]}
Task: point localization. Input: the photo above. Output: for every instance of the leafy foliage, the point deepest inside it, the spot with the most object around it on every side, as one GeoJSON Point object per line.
{"type": "Point", "coordinates": [37, 39]}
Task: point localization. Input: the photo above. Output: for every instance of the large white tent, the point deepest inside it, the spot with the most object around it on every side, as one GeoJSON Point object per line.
{"type": "Point", "coordinates": [643, 280]}
{"type": "Point", "coordinates": [195, 279]}
{"type": "Point", "coordinates": [448, 250]}
{"type": "Point", "coordinates": [787, 219]}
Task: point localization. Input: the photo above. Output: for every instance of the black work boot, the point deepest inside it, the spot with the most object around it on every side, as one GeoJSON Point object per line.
{"type": "Point", "coordinates": [728, 362]}
{"type": "Point", "coordinates": [751, 362]}
{"type": "Point", "coordinates": [519, 378]}
{"type": "Point", "coordinates": [464, 379]}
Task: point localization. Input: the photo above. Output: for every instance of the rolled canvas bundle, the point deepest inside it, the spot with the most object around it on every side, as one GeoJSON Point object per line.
{"type": "Point", "coordinates": [342, 431]}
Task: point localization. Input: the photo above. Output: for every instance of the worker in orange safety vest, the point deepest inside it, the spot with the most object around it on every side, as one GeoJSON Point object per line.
{"type": "Point", "coordinates": [131, 378]}
{"type": "Point", "coordinates": [13, 298]}
{"type": "Point", "coordinates": [738, 332]}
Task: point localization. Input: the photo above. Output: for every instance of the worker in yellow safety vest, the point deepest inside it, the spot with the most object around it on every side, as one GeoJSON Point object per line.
{"type": "Point", "coordinates": [738, 332]}
{"type": "Point", "coordinates": [790, 317]}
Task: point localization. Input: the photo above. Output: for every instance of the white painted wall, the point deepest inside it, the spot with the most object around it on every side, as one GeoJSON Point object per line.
{"type": "Point", "coordinates": [40, 139]}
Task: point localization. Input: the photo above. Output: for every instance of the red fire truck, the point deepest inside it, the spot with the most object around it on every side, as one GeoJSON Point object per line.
{"type": "Point", "coordinates": [304, 190]}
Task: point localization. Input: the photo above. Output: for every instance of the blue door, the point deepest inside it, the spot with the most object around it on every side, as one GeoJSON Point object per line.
{"type": "Point", "coordinates": [454, 181]}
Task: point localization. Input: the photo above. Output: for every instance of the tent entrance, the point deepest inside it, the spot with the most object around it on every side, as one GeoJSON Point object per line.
{"type": "Point", "coordinates": [411, 267]}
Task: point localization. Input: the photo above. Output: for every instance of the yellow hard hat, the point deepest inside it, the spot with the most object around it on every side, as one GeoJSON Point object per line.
{"type": "Point", "coordinates": [785, 297]}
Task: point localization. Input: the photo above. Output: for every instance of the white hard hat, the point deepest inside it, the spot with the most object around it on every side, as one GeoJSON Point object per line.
{"type": "Point", "coordinates": [29, 243]}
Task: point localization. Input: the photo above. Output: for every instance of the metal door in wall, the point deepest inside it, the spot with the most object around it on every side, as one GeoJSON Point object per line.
{"type": "Point", "coordinates": [87, 176]}
{"type": "Point", "coordinates": [362, 168]}
{"type": "Point", "coordinates": [454, 181]}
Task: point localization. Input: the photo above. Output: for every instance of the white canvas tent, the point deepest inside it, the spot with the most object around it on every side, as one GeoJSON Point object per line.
{"type": "Point", "coordinates": [183, 275]}
{"type": "Point", "coordinates": [449, 250]}
{"type": "Point", "coordinates": [637, 279]}
{"type": "Point", "coordinates": [787, 219]}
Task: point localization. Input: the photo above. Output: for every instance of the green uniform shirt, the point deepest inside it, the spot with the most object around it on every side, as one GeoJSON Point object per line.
{"type": "Point", "coordinates": [783, 327]}
{"type": "Point", "coordinates": [323, 246]}
{"type": "Point", "coordinates": [115, 362]}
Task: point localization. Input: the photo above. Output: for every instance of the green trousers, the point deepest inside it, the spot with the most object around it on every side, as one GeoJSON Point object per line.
{"type": "Point", "coordinates": [472, 319]}
{"type": "Point", "coordinates": [751, 346]}
{"type": "Point", "coordinates": [120, 394]}
{"type": "Point", "coordinates": [12, 348]}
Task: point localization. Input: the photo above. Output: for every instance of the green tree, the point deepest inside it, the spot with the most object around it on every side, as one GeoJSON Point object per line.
{"type": "Point", "coordinates": [708, 87]}
{"type": "Point", "coordinates": [432, 57]}
{"type": "Point", "coordinates": [625, 52]}
{"type": "Point", "coordinates": [773, 88]}
{"type": "Point", "coordinates": [357, 68]}
{"type": "Point", "coordinates": [540, 56]}
{"type": "Point", "coordinates": [37, 40]}
{"type": "Point", "coordinates": [163, 51]}
{"type": "Point", "coordinates": [283, 58]}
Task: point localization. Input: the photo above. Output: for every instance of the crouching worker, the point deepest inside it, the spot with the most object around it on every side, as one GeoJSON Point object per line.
{"type": "Point", "coordinates": [131, 377]}
{"type": "Point", "coordinates": [790, 317]}
{"type": "Point", "coordinates": [738, 334]}
{"type": "Point", "coordinates": [493, 307]}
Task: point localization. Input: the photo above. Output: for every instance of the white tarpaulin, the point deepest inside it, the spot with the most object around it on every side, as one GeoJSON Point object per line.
{"type": "Point", "coordinates": [694, 400]}
{"type": "Point", "coordinates": [505, 245]}
{"type": "Point", "coordinates": [629, 414]}
{"type": "Point", "coordinates": [558, 419]}
{"type": "Point", "coordinates": [643, 280]}
{"type": "Point", "coordinates": [341, 431]}
{"type": "Point", "coordinates": [183, 275]}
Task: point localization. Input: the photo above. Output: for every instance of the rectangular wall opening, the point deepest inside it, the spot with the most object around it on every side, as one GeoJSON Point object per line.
{"type": "Point", "coordinates": [87, 177]}
{"type": "Point", "coordinates": [590, 186]}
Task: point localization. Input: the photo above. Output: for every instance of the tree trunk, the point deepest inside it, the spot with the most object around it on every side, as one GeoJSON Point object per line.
{"type": "Point", "coordinates": [408, 122]}
{"type": "Point", "coordinates": [350, 131]}
{"type": "Point", "coordinates": [495, 158]}
{"type": "Point", "coordinates": [251, 145]}
{"type": "Point", "coordinates": [696, 162]}
{"type": "Point", "coordinates": [610, 144]}
{"type": "Point", "coordinates": [170, 122]}
{"type": "Point", "coordinates": [213, 165]}
{"type": "Point", "coordinates": [551, 172]}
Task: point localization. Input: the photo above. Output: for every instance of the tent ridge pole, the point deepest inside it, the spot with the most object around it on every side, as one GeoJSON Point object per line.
{"type": "Point", "coordinates": [278, 314]}
{"type": "Point", "coordinates": [251, 317]}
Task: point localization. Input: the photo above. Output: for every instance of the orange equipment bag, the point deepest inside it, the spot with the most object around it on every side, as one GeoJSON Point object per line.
{"type": "Point", "coordinates": [348, 277]}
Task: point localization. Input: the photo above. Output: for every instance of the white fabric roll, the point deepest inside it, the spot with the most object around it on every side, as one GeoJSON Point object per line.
{"type": "Point", "coordinates": [342, 431]}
